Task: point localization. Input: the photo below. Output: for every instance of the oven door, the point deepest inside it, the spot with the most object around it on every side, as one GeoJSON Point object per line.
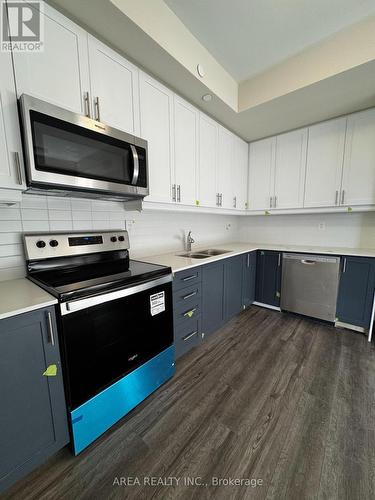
{"type": "Point", "coordinates": [106, 337]}
{"type": "Point", "coordinates": [70, 151]}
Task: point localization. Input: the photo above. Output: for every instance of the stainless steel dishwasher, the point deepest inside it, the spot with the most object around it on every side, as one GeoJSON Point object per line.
{"type": "Point", "coordinates": [309, 285]}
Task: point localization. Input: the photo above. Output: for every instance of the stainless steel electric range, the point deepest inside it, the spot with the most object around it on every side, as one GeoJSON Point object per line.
{"type": "Point", "coordinates": [115, 324]}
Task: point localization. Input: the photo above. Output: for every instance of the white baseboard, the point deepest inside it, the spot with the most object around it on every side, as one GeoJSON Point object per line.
{"type": "Point", "coordinates": [267, 306]}
{"type": "Point", "coordinates": [341, 324]}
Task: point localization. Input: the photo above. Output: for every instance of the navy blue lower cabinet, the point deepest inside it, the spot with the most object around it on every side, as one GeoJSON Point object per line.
{"type": "Point", "coordinates": [213, 296]}
{"type": "Point", "coordinates": [187, 335]}
{"type": "Point", "coordinates": [233, 286]}
{"type": "Point", "coordinates": [187, 305]}
{"type": "Point", "coordinates": [249, 263]}
{"type": "Point", "coordinates": [268, 277]}
{"type": "Point", "coordinates": [33, 421]}
{"type": "Point", "coordinates": [356, 291]}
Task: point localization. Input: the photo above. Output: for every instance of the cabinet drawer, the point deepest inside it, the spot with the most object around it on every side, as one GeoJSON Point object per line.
{"type": "Point", "coordinates": [186, 312]}
{"type": "Point", "coordinates": [187, 295]}
{"type": "Point", "coordinates": [186, 278]}
{"type": "Point", "coordinates": [187, 336]}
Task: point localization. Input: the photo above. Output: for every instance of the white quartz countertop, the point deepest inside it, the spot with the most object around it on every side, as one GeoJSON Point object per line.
{"type": "Point", "coordinates": [178, 263]}
{"type": "Point", "coordinates": [21, 295]}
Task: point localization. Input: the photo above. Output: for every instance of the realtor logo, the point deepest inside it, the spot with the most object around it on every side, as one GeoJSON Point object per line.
{"type": "Point", "coordinates": [22, 26]}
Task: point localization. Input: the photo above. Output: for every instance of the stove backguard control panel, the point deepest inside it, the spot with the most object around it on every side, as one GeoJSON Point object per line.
{"type": "Point", "coordinates": [45, 246]}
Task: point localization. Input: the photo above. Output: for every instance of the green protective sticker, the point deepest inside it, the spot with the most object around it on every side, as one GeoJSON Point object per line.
{"type": "Point", "coordinates": [350, 209]}
{"type": "Point", "coordinates": [190, 313]}
{"type": "Point", "coordinates": [51, 371]}
{"type": "Point", "coordinates": [197, 203]}
{"type": "Point", "coordinates": [266, 212]}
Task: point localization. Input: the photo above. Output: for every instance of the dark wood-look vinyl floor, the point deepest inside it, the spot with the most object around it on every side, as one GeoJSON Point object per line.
{"type": "Point", "coordinates": [272, 396]}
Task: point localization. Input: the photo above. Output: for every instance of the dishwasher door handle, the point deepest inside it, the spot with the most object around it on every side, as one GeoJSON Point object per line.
{"type": "Point", "coordinates": [308, 262]}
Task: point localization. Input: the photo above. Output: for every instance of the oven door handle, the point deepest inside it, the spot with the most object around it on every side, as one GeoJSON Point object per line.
{"type": "Point", "coordinates": [78, 305]}
{"type": "Point", "coordinates": [135, 164]}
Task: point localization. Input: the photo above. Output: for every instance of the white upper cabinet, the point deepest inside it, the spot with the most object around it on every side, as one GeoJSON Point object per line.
{"type": "Point", "coordinates": [325, 154]}
{"type": "Point", "coordinates": [226, 169]}
{"type": "Point", "coordinates": [290, 165]}
{"type": "Point", "coordinates": [59, 73]}
{"type": "Point", "coordinates": [11, 160]}
{"type": "Point", "coordinates": [241, 160]}
{"type": "Point", "coordinates": [358, 180]}
{"type": "Point", "coordinates": [156, 113]}
{"type": "Point", "coordinates": [114, 88]}
{"type": "Point", "coordinates": [208, 145]}
{"type": "Point", "coordinates": [261, 174]}
{"type": "Point", "coordinates": [186, 122]}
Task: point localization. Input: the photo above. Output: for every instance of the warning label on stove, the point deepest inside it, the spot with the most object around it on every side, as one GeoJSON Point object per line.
{"type": "Point", "coordinates": [157, 303]}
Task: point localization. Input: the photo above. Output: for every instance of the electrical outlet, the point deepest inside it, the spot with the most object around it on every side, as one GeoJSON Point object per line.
{"type": "Point", "coordinates": [130, 225]}
{"type": "Point", "coordinates": [322, 226]}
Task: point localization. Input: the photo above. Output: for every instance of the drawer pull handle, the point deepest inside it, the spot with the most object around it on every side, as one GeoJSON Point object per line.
{"type": "Point", "coordinates": [190, 295]}
{"type": "Point", "coordinates": [188, 278]}
{"type": "Point", "coordinates": [51, 337]}
{"type": "Point", "coordinates": [189, 336]}
{"type": "Point", "coordinates": [190, 313]}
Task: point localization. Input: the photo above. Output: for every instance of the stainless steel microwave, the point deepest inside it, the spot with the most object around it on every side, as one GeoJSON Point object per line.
{"type": "Point", "coordinates": [71, 154]}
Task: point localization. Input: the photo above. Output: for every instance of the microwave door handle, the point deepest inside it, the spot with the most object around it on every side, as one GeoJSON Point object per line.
{"type": "Point", "coordinates": [136, 165]}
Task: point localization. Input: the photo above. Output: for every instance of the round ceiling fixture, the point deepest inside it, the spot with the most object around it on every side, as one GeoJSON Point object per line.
{"type": "Point", "coordinates": [207, 97]}
{"type": "Point", "coordinates": [200, 70]}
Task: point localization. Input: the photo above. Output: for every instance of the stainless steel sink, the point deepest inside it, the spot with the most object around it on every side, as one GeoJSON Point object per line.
{"type": "Point", "coordinates": [213, 251]}
{"type": "Point", "coordinates": [203, 254]}
{"type": "Point", "coordinates": [194, 255]}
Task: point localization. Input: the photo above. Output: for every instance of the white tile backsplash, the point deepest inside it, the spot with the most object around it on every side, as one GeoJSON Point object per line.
{"type": "Point", "coordinates": [149, 232]}
{"type": "Point", "coordinates": [45, 213]}
{"type": "Point", "coordinates": [155, 232]}
{"type": "Point", "coordinates": [350, 230]}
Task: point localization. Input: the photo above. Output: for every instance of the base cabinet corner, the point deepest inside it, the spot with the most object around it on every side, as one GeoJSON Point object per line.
{"type": "Point", "coordinates": [33, 422]}
{"type": "Point", "coordinates": [356, 291]}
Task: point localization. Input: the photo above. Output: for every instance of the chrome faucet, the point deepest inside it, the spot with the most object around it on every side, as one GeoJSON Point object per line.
{"type": "Point", "coordinates": [189, 241]}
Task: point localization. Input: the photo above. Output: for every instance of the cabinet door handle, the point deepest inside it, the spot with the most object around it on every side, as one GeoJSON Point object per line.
{"type": "Point", "coordinates": [18, 167]}
{"type": "Point", "coordinates": [217, 199]}
{"type": "Point", "coordinates": [190, 312]}
{"type": "Point", "coordinates": [188, 278]}
{"type": "Point", "coordinates": [279, 260]}
{"type": "Point", "coordinates": [190, 295]}
{"type": "Point", "coordinates": [173, 192]}
{"type": "Point", "coordinates": [342, 196]}
{"type": "Point", "coordinates": [248, 260]}
{"type": "Point", "coordinates": [97, 109]}
{"type": "Point", "coordinates": [86, 104]}
{"type": "Point", "coordinates": [51, 337]}
{"type": "Point", "coordinates": [189, 336]}
{"type": "Point", "coordinates": [344, 266]}
{"type": "Point", "coordinates": [178, 193]}
{"type": "Point", "coordinates": [221, 199]}
{"type": "Point", "coordinates": [337, 198]}
{"type": "Point", "coordinates": [271, 198]}
{"type": "Point", "coordinates": [235, 202]}
{"type": "Point", "coordinates": [274, 201]}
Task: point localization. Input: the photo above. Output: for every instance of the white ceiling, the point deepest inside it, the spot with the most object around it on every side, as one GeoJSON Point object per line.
{"type": "Point", "coordinates": [249, 36]}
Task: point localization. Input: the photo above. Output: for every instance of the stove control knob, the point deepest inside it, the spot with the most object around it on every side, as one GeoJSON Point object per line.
{"type": "Point", "coordinates": [53, 243]}
{"type": "Point", "coordinates": [121, 238]}
{"type": "Point", "coordinates": [40, 244]}
{"type": "Point", "coordinates": [113, 239]}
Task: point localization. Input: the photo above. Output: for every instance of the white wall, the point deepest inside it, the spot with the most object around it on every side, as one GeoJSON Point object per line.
{"type": "Point", "coordinates": [151, 233]}
{"type": "Point", "coordinates": [341, 229]}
